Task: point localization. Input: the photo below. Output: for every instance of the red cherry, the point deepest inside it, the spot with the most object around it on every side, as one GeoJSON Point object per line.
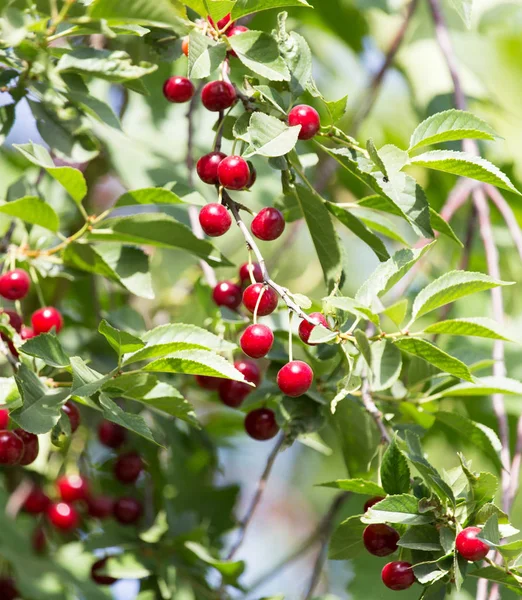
{"type": "Point", "coordinates": [253, 175]}
{"type": "Point", "coordinates": [111, 434]}
{"type": "Point", "coordinates": [222, 23]}
{"type": "Point", "coordinates": [36, 502]}
{"type": "Point", "coordinates": [185, 46]}
{"type": "Point", "coordinates": [73, 488]}
{"type": "Point", "coordinates": [27, 333]}
{"type": "Point", "coordinates": [371, 501]}
{"type": "Point", "coordinates": [308, 118]}
{"type": "Point", "coordinates": [295, 378]}
{"type": "Point", "coordinates": [250, 370]}
{"type": "Point", "coordinates": [11, 448]}
{"type": "Point", "coordinates": [128, 467]}
{"type": "Point", "coordinates": [469, 546]}
{"type": "Point", "coordinates": [305, 328]}
{"type": "Point", "coordinates": [398, 575]}
{"type": "Point", "coordinates": [45, 319]}
{"type": "Point", "coordinates": [178, 89]}
{"type": "Point", "coordinates": [244, 272]}
{"type": "Point", "coordinates": [8, 589]}
{"type": "Point", "coordinates": [233, 393]}
{"type": "Point", "coordinates": [218, 95]}
{"type": "Point", "coordinates": [14, 285]}
{"type": "Point", "coordinates": [268, 224]}
{"type": "Point", "coordinates": [97, 575]}
{"type": "Point", "coordinates": [70, 409]}
{"type": "Point", "coordinates": [215, 220]}
{"type": "Point", "coordinates": [227, 294]}
{"type": "Point", "coordinates": [268, 302]}
{"type": "Point", "coordinates": [236, 30]}
{"type": "Point", "coordinates": [100, 507]}
{"type": "Point", "coordinates": [38, 541]}
{"type": "Point", "coordinates": [233, 173]}
{"type": "Point", "coordinates": [207, 167]}
{"type": "Point", "coordinates": [63, 516]}
{"type": "Point", "coordinates": [31, 446]}
{"type": "Point", "coordinates": [127, 510]}
{"type": "Point", "coordinates": [208, 383]}
{"type": "Point", "coordinates": [257, 341]}
{"type": "Point", "coordinates": [4, 418]}
{"type": "Point", "coordinates": [15, 320]}
{"type": "Point", "coordinates": [261, 425]}
{"type": "Point", "coordinates": [380, 539]}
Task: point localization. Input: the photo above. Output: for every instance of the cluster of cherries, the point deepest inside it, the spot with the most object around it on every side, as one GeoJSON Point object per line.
{"type": "Point", "coordinates": [382, 540]}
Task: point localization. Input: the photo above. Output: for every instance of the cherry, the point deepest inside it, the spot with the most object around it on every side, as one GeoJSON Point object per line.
{"type": "Point", "coordinates": [45, 319]}
{"type": "Point", "coordinates": [178, 89]}
{"type": "Point", "coordinates": [73, 488]}
{"type": "Point", "coordinates": [100, 507]}
{"type": "Point", "coordinates": [232, 393]}
{"type": "Point", "coordinates": [308, 118]}
{"type": "Point", "coordinates": [63, 516]}
{"type": "Point", "coordinates": [36, 502]}
{"type": "Point", "coordinates": [128, 467]}
{"type": "Point", "coordinates": [70, 409]}
{"type": "Point", "coordinates": [31, 446]}
{"type": "Point", "coordinates": [267, 303]}
{"type": "Point", "coordinates": [208, 383]}
{"type": "Point", "coordinates": [244, 272]}
{"type": "Point", "coordinates": [295, 378]}
{"type": "Point", "coordinates": [11, 448]}
{"type": "Point", "coordinates": [380, 539]}
{"type": "Point", "coordinates": [185, 46]}
{"type": "Point", "coordinates": [27, 333]}
{"type": "Point", "coordinates": [253, 175]}
{"type": "Point", "coordinates": [4, 418]}
{"type": "Point", "coordinates": [268, 224]}
{"type": "Point", "coordinates": [8, 589]}
{"type": "Point", "coordinates": [233, 173]}
{"type": "Point", "coordinates": [111, 434]}
{"type": "Point", "coordinates": [218, 95]}
{"type": "Point", "coordinates": [236, 30]}
{"type": "Point", "coordinates": [227, 294]}
{"type": "Point", "coordinates": [257, 341]}
{"type": "Point", "coordinates": [207, 167]}
{"type": "Point", "coordinates": [38, 540]}
{"type": "Point", "coordinates": [222, 23]}
{"type": "Point", "coordinates": [127, 510]}
{"type": "Point", "coordinates": [97, 576]}
{"type": "Point", "coordinates": [469, 546]}
{"type": "Point", "coordinates": [305, 328]}
{"type": "Point", "coordinates": [215, 220]}
{"type": "Point", "coordinates": [261, 425]}
{"type": "Point", "coordinates": [371, 501]}
{"type": "Point", "coordinates": [15, 320]}
{"type": "Point", "coordinates": [250, 370]}
{"type": "Point", "coordinates": [15, 284]}
{"type": "Point", "coordinates": [398, 575]}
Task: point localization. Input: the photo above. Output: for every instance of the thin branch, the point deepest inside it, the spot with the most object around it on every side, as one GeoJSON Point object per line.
{"type": "Point", "coordinates": [373, 411]}
{"type": "Point", "coordinates": [508, 215]}
{"type": "Point", "coordinates": [261, 485]}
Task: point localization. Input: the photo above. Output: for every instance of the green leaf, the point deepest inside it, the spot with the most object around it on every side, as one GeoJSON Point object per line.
{"type": "Point", "coordinates": [141, 11]}
{"type": "Point", "coordinates": [360, 230]}
{"type": "Point", "coordinates": [421, 537]}
{"type": "Point", "coordinates": [356, 486]}
{"type": "Point", "coordinates": [511, 551]}
{"type": "Point", "coordinates": [125, 566]}
{"type": "Point", "coordinates": [298, 58]}
{"type": "Point", "coordinates": [435, 356]}
{"type": "Point", "coordinates": [41, 408]}
{"type": "Point", "coordinates": [33, 210]}
{"type": "Point", "coordinates": [382, 225]}
{"type": "Point", "coordinates": [132, 422]}
{"type": "Point", "coordinates": [443, 227]}
{"type": "Point", "coordinates": [71, 179]}
{"type": "Point", "coordinates": [490, 532]}
{"type": "Point", "coordinates": [337, 109]}
{"type": "Point", "coordinates": [149, 196]}
{"type": "Point", "coordinates": [196, 362]}
{"type": "Point", "coordinates": [374, 155]}
{"type": "Point", "coordinates": [498, 575]}
{"type": "Point", "coordinates": [401, 508]}
{"type": "Point", "coordinates": [473, 326]}
{"type": "Point", "coordinates": [259, 52]}
{"type": "Point", "coordinates": [347, 540]}
{"type": "Point", "coordinates": [448, 126]}
{"type": "Point", "coordinates": [351, 306]}
{"type": "Point", "coordinates": [165, 339]}
{"type": "Point", "coordinates": [247, 7]}
{"type": "Point", "coordinates": [484, 386]}
{"type": "Point", "coordinates": [395, 473]}
{"type": "Point", "coordinates": [125, 265]}
{"type": "Point", "coordinates": [465, 165]}
{"type": "Point", "coordinates": [363, 345]}
{"type": "Point", "coordinates": [166, 398]}
{"type": "Point", "coordinates": [464, 8]}
{"type": "Point", "coordinates": [270, 136]}
{"type": "Point", "coordinates": [121, 341]}
{"type": "Point", "coordinates": [230, 570]}
{"type": "Point", "coordinates": [86, 381]}
{"type": "Point", "coordinates": [205, 55]}
{"type": "Point", "coordinates": [397, 311]}
{"type": "Point", "coordinates": [323, 234]}
{"type": "Point", "coordinates": [450, 287]}
{"type": "Point", "coordinates": [388, 274]}
{"type": "Point", "coordinates": [46, 347]}
{"type": "Point", "coordinates": [386, 365]}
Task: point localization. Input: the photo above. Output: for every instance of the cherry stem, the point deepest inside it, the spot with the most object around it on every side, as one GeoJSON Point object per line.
{"type": "Point", "coordinates": [258, 302]}
{"type": "Point", "coordinates": [290, 337]}
{"type": "Point", "coordinates": [37, 287]}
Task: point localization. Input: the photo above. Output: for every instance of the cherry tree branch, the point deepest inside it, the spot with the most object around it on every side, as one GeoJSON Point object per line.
{"type": "Point", "coordinates": [373, 411]}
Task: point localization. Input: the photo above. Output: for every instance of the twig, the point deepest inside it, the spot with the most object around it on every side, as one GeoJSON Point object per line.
{"type": "Point", "coordinates": [261, 485]}
{"type": "Point", "coordinates": [18, 498]}
{"type": "Point", "coordinates": [508, 215]}
{"type": "Point", "coordinates": [6, 240]}
{"type": "Point", "coordinates": [373, 411]}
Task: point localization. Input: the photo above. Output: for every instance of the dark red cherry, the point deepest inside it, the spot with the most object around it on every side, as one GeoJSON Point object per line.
{"type": "Point", "coordinates": [73, 488]}
{"type": "Point", "coordinates": [256, 341]}
{"type": "Point", "coordinates": [38, 540]}
{"type": "Point", "coordinates": [4, 419]}
{"type": "Point", "coordinates": [398, 575]}
{"type": "Point", "coordinates": [11, 448]}
{"type": "Point", "coordinates": [178, 89]}
{"type": "Point", "coordinates": [63, 516]}
{"type": "Point", "coordinates": [15, 320]}
{"type": "Point", "coordinates": [469, 546]}
{"type": "Point", "coordinates": [111, 434]}
{"type": "Point", "coordinates": [70, 409]}
{"type": "Point", "coordinates": [208, 383]}
{"type": "Point", "coordinates": [305, 328]}
{"type": "Point", "coordinates": [36, 502]}
{"type": "Point", "coordinates": [31, 446]}
{"type": "Point", "coordinates": [295, 378]}
{"type": "Point", "coordinates": [128, 467]}
{"type": "Point", "coordinates": [227, 294]}
{"type": "Point", "coordinates": [371, 501]}
{"type": "Point", "coordinates": [244, 273]}
{"type": "Point", "coordinates": [249, 369]}
{"type": "Point", "coordinates": [253, 175]}
{"type": "Point", "coordinates": [100, 507]}
{"type": "Point", "coordinates": [8, 589]}
{"type": "Point", "coordinates": [380, 539]}
{"type": "Point", "coordinates": [233, 173]}
{"type": "Point", "coordinates": [267, 303]}
{"type": "Point", "coordinates": [97, 573]}
{"type": "Point", "coordinates": [27, 333]}
{"type": "Point", "coordinates": [127, 510]}
{"type": "Point", "coordinates": [218, 95]}
{"type": "Point", "coordinates": [233, 393]}
{"type": "Point", "coordinates": [215, 220]}
{"type": "Point", "coordinates": [261, 424]}
{"type": "Point", "coordinates": [268, 224]}
{"type": "Point", "coordinates": [308, 118]}
{"type": "Point", "coordinates": [207, 167]}
{"type": "Point", "coordinates": [15, 284]}
{"type": "Point", "coordinates": [45, 319]}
